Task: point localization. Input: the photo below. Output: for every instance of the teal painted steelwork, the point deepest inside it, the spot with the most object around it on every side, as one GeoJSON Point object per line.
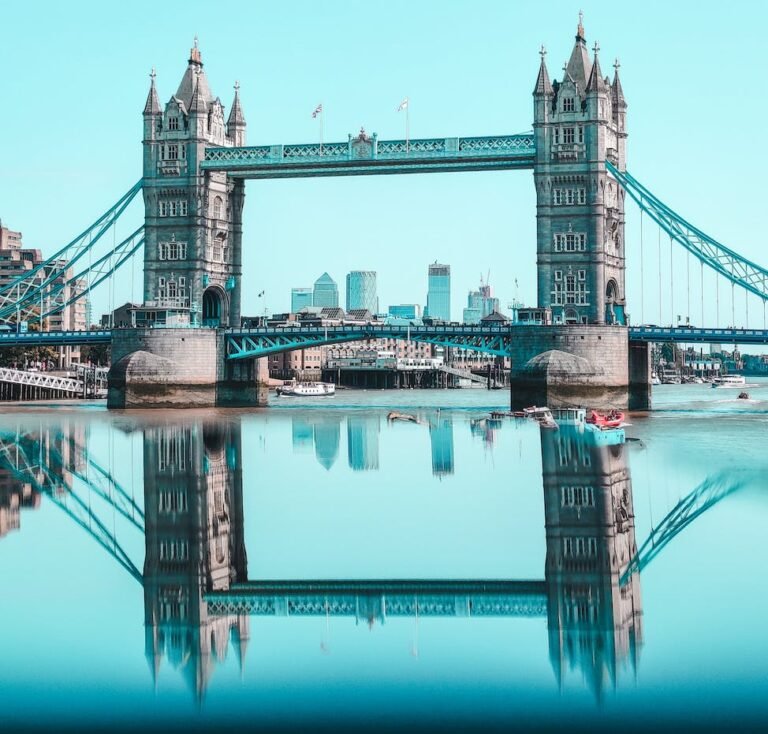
{"type": "Point", "coordinates": [252, 343]}
{"type": "Point", "coordinates": [28, 308]}
{"type": "Point", "coordinates": [364, 155]}
{"type": "Point", "coordinates": [44, 274]}
{"type": "Point", "coordinates": [711, 491]}
{"type": "Point", "coordinates": [386, 598]}
{"type": "Point", "coordinates": [721, 259]}
{"type": "Point", "coordinates": [17, 454]}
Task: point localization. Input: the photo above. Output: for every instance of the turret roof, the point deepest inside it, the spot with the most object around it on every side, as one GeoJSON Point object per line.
{"type": "Point", "coordinates": [596, 83]}
{"type": "Point", "coordinates": [617, 93]}
{"type": "Point", "coordinates": [194, 76]}
{"type": "Point", "coordinates": [236, 116]}
{"type": "Point", "coordinates": [579, 66]}
{"type": "Point", "coordinates": [152, 107]}
{"type": "Point", "coordinates": [543, 85]}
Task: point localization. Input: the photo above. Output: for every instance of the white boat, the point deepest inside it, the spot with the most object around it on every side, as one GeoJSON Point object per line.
{"type": "Point", "coordinates": [655, 379]}
{"type": "Point", "coordinates": [306, 389]}
{"type": "Point", "coordinates": [729, 381]}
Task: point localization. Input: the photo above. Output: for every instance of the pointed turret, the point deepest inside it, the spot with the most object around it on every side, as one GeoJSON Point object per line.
{"type": "Point", "coordinates": [152, 107]}
{"type": "Point", "coordinates": [617, 93]}
{"type": "Point", "coordinates": [543, 85]}
{"type": "Point", "coordinates": [236, 119]}
{"type": "Point", "coordinates": [579, 67]}
{"type": "Point", "coordinates": [596, 82]}
{"type": "Point", "coordinates": [197, 103]}
{"type": "Point", "coordinates": [194, 76]}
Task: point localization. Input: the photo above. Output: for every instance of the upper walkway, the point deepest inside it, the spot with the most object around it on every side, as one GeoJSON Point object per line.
{"type": "Point", "coordinates": [368, 155]}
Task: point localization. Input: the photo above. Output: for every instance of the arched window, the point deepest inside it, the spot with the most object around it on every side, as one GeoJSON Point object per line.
{"type": "Point", "coordinates": [217, 207]}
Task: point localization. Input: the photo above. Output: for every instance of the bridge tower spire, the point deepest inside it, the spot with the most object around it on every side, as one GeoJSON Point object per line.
{"type": "Point", "coordinates": [192, 254]}
{"type": "Point", "coordinates": [578, 126]}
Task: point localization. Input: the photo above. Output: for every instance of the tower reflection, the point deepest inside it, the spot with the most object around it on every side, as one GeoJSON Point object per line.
{"type": "Point", "coordinates": [194, 544]}
{"type": "Point", "coordinates": [595, 622]}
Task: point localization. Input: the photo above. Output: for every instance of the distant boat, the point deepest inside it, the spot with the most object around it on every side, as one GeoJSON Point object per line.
{"type": "Point", "coordinates": [729, 381]}
{"type": "Point", "coordinates": [613, 419]}
{"type": "Point", "coordinates": [306, 389]}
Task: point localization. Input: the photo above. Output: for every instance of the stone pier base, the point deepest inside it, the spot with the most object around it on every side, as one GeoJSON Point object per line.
{"type": "Point", "coordinates": [639, 376]}
{"type": "Point", "coordinates": [563, 366]}
{"type": "Point", "coordinates": [179, 368]}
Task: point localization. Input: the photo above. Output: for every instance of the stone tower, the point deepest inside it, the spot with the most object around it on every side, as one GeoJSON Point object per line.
{"type": "Point", "coordinates": [193, 218]}
{"type": "Point", "coordinates": [579, 123]}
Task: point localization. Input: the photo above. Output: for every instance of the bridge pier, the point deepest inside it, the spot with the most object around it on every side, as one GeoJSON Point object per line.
{"type": "Point", "coordinates": [179, 368]}
{"type": "Point", "coordinates": [639, 375]}
{"type": "Point", "coordinates": [561, 366]}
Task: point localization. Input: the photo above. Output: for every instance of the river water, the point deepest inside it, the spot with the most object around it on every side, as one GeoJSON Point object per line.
{"type": "Point", "coordinates": [317, 565]}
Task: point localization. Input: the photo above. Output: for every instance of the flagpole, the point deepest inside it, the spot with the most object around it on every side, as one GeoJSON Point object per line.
{"type": "Point", "coordinates": [322, 115]}
{"type": "Point", "coordinates": [407, 126]}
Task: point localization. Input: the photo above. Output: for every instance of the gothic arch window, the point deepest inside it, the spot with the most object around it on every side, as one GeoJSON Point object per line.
{"type": "Point", "coordinates": [611, 291]}
{"type": "Point", "coordinates": [218, 203]}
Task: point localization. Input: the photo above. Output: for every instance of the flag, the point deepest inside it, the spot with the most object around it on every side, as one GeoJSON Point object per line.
{"type": "Point", "coordinates": [318, 110]}
{"type": "Point", "coordinates": [260, 294]}
{"type": "Point", "coordinates": [403, 104]}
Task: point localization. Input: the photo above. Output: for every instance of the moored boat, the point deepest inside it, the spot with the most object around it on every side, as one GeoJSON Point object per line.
{"type": "Point", "coordinates": [306, 389]}
{"type": "Point", "coordinates": [612, 419]}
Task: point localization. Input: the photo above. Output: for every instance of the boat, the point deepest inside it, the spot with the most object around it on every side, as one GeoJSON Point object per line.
{"type": "Point", "coordinates": [655, 379]}
{"type": "Point", "coordinates": [306, 389]}
{"type": "Point", "coordinates": [575, 420]}
{"type": "Point", "coordinates": [729, 381]}
{"type": "Point", "coordinates": [612, 419]}
{"type": "Point", "coordinates": [395, 416]}
{"type": "Point", "coordinates": [541, 414]}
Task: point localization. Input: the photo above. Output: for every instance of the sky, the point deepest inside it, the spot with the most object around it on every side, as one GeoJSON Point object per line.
{"type": "Point", "coordinates": [75, 76]}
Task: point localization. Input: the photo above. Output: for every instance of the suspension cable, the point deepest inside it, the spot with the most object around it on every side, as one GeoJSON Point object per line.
{"type": "Point", "coordinates": [642, 270]}
{"type": "Point", "coordinates": [671, 281]}
{"type": "Point", "coordinates": [661, 323]}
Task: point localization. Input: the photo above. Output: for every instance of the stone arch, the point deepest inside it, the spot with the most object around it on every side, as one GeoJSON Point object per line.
{"type": "Point", "coordinates": [214, 307]}
{"type": "Point", "coordinates": [571, 316]}
{"type": "Point", "coordinates": [611, 291]}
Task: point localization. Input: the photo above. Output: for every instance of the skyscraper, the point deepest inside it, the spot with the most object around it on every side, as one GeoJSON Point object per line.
{"type": "Point", "coordinates": [480, 303]}
{"type": "Point", "coordinates": [301, 298]}
{"type": "Point", "coordinates": [439, 292]}
{"type": "Point", "coordinates": [326, 292]}
{"type": "Point", "coordinates": [361, 290]}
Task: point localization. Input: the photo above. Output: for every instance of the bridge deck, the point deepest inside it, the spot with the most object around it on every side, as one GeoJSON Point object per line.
{"type": "Point", "coordinates": [362, 156]}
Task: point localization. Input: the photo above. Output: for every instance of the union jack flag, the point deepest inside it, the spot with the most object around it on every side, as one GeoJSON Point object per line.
{"type": "Point", "coordinates": [318, 110]}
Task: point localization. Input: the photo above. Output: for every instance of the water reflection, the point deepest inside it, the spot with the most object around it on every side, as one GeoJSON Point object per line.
{"type": "Point", "coordinates": [198, 596]}
{"type": "Point", "coordinates": [593, 612]}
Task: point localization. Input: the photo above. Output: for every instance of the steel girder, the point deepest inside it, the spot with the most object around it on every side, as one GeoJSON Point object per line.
{"type": "Point", "coordinates": [721, 259]}
{"type": "Point", "coordinates": [368, 155]}
{"type": "Point", "coordinates": [46, 273]}
{"type": "Point", "coordinates": [254, 343]}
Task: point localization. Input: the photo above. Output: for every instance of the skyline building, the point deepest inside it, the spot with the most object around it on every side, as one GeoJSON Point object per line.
{"type": "Point", "coordinates": [405, 311]}
{"type": "Point", "coordinates": [480, 303]}
{"type": "Point", "coordinates": [361, 291]}
{"type": "Point", "coordinates": [301, 298]}
{"type": "Point", "coordinates": [438, 292]}
{"type": "Point", "coordinates": [325, 293]}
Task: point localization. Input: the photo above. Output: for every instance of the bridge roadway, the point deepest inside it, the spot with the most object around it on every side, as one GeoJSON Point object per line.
{"type": "Point", "coordinates": [387, 598]}
{"type": "Point", "coordinates": [251, 343]}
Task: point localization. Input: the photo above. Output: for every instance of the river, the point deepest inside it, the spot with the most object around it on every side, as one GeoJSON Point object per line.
{"type": "Point", "coordinates": [315, 564]}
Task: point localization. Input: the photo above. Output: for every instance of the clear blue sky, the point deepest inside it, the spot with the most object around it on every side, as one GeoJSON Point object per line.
{"type": "Point", "coordinates": [75, 77]}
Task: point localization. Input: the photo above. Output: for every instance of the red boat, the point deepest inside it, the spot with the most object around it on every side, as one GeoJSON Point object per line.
{"type": "Point", "coordinates": [606, 420]}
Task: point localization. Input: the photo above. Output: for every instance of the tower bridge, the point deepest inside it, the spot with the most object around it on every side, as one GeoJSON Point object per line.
{"type": "Point", "coordinates": [188, 348]}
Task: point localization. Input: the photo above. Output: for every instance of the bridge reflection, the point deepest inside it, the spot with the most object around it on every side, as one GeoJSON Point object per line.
{"type": "Point", "coordinates": [198, 597]}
